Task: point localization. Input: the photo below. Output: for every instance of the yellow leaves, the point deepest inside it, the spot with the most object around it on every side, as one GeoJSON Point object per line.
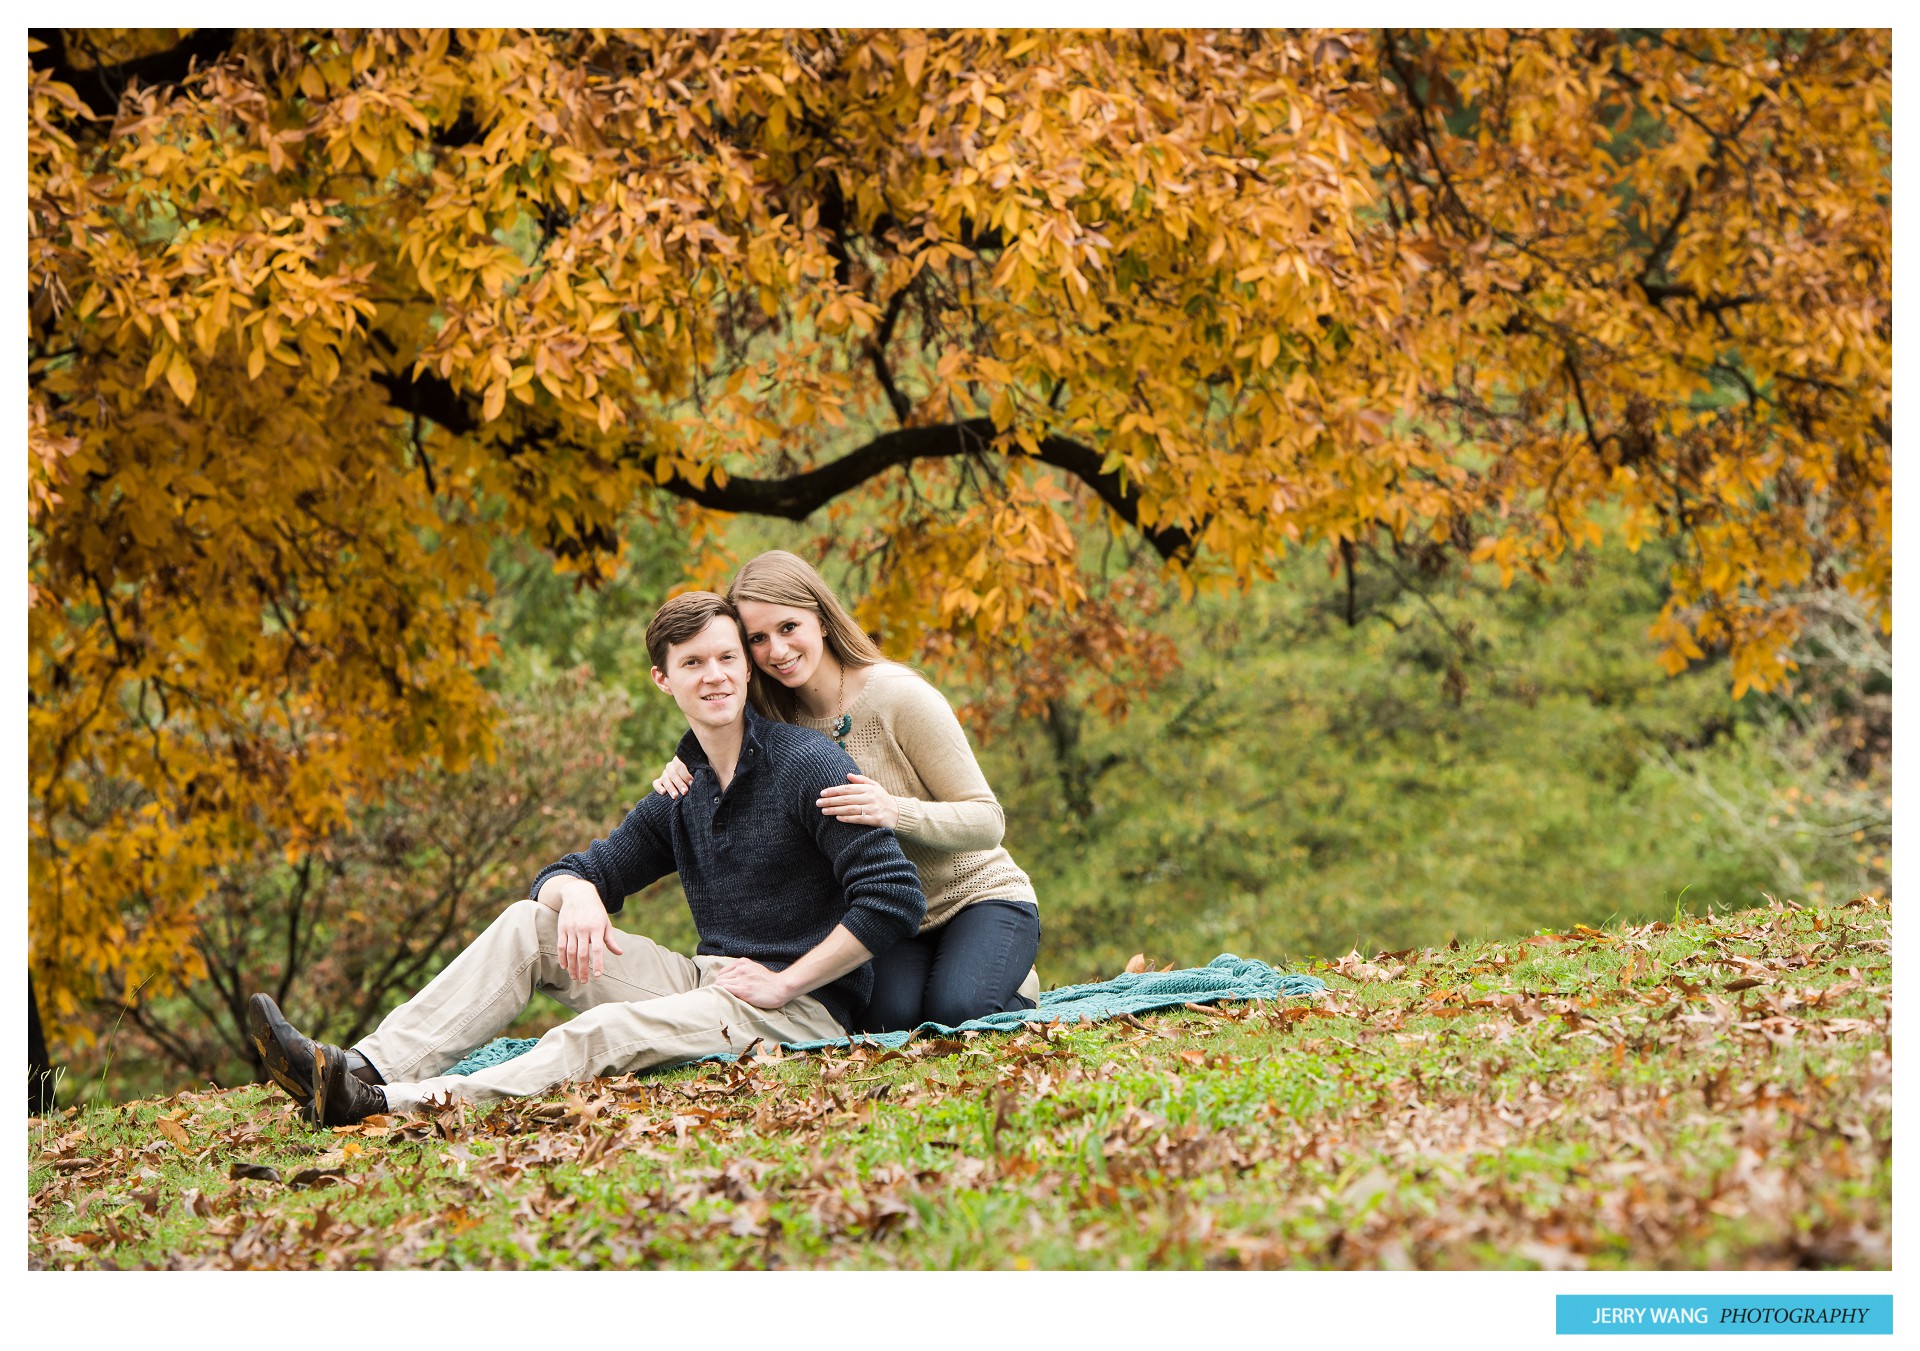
{"type": "Point", "coordinates": [914, 59]}
{"type": "Point", "coordinates": [497, 272]}
{"type": "Point", "coordinates": [991, 368]}
{"type": "Point", "coordinates": [323, 363]}
{"type": "Point", "coordinates": [205, 631]}
{"type": "Point", "coordinates": [180, 377]}
{"type": "Point", "coordinates": [1503, 550]}
{"type": "Point", "coordinates": [495, 400]}
{"type": "Point", "coordinates": [1002, 410]}
{"type": "Point", "coordinates": [48, 459]}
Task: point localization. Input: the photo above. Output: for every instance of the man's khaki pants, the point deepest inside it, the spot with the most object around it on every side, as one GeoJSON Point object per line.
{"type": "Point", "coordinates": [651, 1007]}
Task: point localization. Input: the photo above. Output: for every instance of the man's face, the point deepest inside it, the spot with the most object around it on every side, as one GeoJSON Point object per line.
{"type": "Point", "coordinates": [707, 675]}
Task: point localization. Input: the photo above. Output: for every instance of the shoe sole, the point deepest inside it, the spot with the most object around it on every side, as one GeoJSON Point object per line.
{"type": "Point", "coordinates": [314, 1110]}
{"type": "Point", "coordinates": [260, 1028]}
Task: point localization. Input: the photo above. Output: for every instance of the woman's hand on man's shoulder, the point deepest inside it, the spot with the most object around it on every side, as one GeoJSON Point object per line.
{"type": "Point", "coordinates": [674, 780]}
{"type": "Point", "coordinates": [860, 802]}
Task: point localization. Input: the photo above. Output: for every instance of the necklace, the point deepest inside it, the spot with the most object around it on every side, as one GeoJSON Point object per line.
{"type": "Point", "coordinates": [844, 723]}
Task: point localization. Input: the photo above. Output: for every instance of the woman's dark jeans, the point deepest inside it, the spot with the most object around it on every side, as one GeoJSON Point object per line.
{"type": "Point", "coordinates": [968, 967]}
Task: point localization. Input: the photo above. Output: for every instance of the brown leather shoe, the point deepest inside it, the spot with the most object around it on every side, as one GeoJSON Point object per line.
{"type": "Point", "coordinates": [287, 1054]}
{"type": "Point", "coordinates": [340, 1097]}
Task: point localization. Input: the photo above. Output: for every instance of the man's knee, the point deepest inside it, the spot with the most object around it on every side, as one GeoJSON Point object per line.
{"type": "Point", "coordinates": [532, 924]}
{"type": "Point", "coordinates": [544, 921]}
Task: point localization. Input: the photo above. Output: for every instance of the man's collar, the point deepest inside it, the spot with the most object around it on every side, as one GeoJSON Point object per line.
{"type": "Point", "coordinates": [693, 755]}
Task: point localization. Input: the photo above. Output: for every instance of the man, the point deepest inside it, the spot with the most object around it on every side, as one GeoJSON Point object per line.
{"type": "Point", "coordinates": [790, 905]}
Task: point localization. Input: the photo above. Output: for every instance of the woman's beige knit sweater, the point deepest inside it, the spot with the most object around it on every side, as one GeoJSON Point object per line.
{"type": "Point", "coordinates": [906, 738]}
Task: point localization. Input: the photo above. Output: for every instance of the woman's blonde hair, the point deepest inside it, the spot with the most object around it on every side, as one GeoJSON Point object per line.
{"type": "Point", "coordinates": [780, 578]}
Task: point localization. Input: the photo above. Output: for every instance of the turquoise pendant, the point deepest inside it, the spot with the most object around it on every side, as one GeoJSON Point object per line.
{"type": "Point", "coordinates": [842, 725]}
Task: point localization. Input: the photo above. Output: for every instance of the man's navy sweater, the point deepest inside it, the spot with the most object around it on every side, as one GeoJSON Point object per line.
{"type": "Point", "coordinates": [767, 874]}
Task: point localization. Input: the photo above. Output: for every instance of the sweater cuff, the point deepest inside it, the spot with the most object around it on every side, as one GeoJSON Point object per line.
{"type": "Point", "coordinates": [876, 930]}
{"type": "Point", "coordinates": [553, 870]}
{"type": "Point", "coordinates": [912, 818]}
{"type": "Point", "coordinates": [540, 880]}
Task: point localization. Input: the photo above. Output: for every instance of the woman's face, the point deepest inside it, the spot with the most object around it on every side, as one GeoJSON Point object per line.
{"type": "Point", "coordinates": [783, 641]}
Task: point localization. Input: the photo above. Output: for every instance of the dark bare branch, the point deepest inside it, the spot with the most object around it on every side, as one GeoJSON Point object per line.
{"type": "Point", "coordinates": [902, 406]}
{"type": "Point", "coordinates": [798, 496]}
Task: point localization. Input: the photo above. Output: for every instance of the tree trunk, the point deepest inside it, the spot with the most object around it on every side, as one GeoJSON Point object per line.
{"type": "Point", "coordinates": [40, 1082]}
{"type": "Point", "coordinates": [1077, 776]}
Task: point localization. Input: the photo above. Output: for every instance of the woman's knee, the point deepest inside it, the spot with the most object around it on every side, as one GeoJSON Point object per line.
{"type": "Point", "coordinates": [899, 977]}
{"type": "Point", "coordinates": [953, 1007]}
{"type": "Point", "coordinates": [983, 960]}
{"type": "Point", "coordinates": [893, 1008]}
{"type": "Point", "coordinates": [951, 1011]}
{"type": "Point", "coordinates": [960, 992]}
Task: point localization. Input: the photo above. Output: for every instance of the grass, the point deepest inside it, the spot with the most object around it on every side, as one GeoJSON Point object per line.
{"type": "Point", "coordinates": [1703, 1094]}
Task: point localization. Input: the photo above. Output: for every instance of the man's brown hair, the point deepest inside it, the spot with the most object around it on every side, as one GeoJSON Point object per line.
{"type": "Point", "coordinates": [686, 616]}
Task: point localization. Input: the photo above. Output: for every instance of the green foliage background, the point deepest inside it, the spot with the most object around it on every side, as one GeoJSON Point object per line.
{"type": "Point", "coordinates": [1303, 787]}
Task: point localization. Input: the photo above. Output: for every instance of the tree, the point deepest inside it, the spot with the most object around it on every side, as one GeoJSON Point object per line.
{"type": "Point", "coordinates": [341, 929]}
{"type": "Point", "coordinates": [316, 315]}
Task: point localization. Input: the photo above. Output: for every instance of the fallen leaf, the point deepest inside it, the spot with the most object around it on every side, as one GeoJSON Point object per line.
{"type": "Point", "coordinates": [1355, 967]}
{"type": "Point", "coordinates": [317, 1177]}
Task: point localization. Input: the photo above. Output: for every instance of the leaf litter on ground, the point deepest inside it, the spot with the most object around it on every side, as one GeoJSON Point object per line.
{"type": "Point", "coordinates": [1706, 1093]}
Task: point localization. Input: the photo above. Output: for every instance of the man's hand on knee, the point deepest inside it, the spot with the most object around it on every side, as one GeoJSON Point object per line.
{"type": "Point", "coordinates": [586, 934]}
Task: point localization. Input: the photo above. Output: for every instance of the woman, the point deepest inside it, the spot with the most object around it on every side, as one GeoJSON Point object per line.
{"type": "Point", "coordinates": [974, 953]}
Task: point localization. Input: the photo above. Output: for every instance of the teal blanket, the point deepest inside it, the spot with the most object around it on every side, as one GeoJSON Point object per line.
{"type": "Point", "coordinates": [1226, 977]}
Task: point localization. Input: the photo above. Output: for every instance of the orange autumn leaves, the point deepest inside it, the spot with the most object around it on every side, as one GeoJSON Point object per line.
{"type": "Point", "coordinates": [317, 315]}
{"type": "Point", "coordinates": [1684, 238]}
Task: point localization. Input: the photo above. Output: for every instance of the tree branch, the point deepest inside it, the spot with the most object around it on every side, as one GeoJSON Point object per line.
{"type": "Point", "coordinates": [798, 496]}
{"type": "Point", "coordinates": [1663, 247]}
{"type": "Point", "coordinates": [1586, 415]}
{"type": "Point", "coordinates": [101, 87]}
{"type": "Point", "coordinates": [902, 406]}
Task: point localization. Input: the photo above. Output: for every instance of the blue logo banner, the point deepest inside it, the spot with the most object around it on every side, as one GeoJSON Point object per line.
{"type": "Point", "coordinates": [1718, 1315]}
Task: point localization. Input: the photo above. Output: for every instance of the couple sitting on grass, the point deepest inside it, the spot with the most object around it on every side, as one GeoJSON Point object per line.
{"type": "Point", "coordinates": [827, 900]}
